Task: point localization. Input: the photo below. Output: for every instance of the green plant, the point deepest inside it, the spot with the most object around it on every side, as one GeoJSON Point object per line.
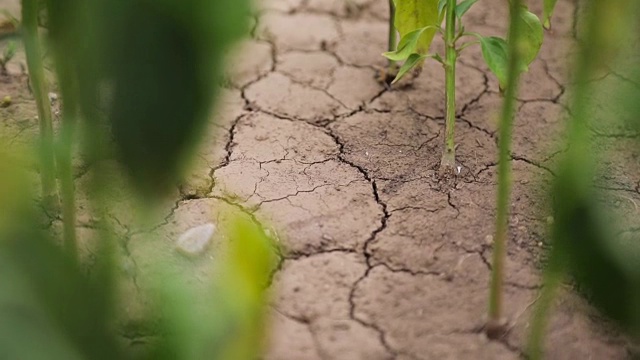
{"type": "Point", "coordinates": [585, 247]}
{"type": "Point", "coordinates": [114, 91]}
{"type": "Point", "coordinates": [418, 21]}
{"type": "Point", "coordinates": [496, 325]}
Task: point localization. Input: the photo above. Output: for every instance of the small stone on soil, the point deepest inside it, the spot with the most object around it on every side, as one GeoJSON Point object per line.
{"type": "Point", "coordinates": [195, 240]}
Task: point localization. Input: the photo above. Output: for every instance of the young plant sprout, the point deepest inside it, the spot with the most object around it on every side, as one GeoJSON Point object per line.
{"type": "Point", "coordinates": [418, 21]}
{"type": "Point", "coordinates": [507, 59]}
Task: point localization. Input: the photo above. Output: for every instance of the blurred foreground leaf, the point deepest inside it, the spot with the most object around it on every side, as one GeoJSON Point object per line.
{"type": "Point", "coordinates": [153, 66]}
{"type": "Point", "coordinates": [228, 322]}
{"type": "Point", "coordinates": [605, 267]}
{"type": "Point", "coordinates": [48, 308]}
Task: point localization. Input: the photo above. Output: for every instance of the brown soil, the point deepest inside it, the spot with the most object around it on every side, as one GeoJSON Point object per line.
{"type": "Point", "coordinates": [382, 260]}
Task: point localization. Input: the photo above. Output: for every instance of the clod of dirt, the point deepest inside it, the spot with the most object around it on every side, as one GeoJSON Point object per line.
{"type": "Point", "coordinates": [194, 241]}
{"type": "Point", "coordinates": [496, 329]}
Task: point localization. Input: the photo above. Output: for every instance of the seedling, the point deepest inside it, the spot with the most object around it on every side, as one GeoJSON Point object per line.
{"type": "Point", "coordinates": [507, 59]}
{"type": "Point", "coordinates": [419, 21]}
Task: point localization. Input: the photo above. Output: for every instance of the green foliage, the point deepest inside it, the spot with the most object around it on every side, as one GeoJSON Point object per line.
{"type": "Point", "coordinates": [494, 48]}
{"type": "Point", "coordinates": [533, 35]}
{"type": "Point", "coordinates": [603, 264]}
{"type": "Point", "coordinates": [408, 45]}
{"type": "Point", "coordinates": [44, 298]}
{"type": "Point", "coordinates": [463, 7]}
{"type": "Point", "coordinates": [417, 14]}
{"type": "Point", "coordinates": [161, 61]}
{"type": "Point", "coordinates": [495, 54]}
{"type": "Point", "coordinates": [441, 6]}
{"type": "Point", "coordinates": [140, 77]}
{"type": "Point", "coordinates": [226, 322]}
{"type": "Point", "coordinates": [549, 6]}
{"type": "Point", "coordinates": [604, 267]}
{"type": "Point", "coordinates": [410, 63]}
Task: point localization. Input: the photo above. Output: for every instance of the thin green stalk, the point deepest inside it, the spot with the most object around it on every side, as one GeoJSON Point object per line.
{"type": "Point", "coordinates": [448, 162]}
{"type": "Point", "coordinates": [40, 93]}
{"type": "Point", "coordinates": [67, 187]}
{"type": "Point", "coordinates": [495, 325]}
{"type": "Point", "coordinates": [392, 36]}
{"type": "Point", "coordinates": [64, 158]}
{"type": "Point", "coordinates": [68, 89]}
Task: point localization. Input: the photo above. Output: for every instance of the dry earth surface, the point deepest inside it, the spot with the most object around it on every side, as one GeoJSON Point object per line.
{"type": "Point", "coordinates": [380, 260]}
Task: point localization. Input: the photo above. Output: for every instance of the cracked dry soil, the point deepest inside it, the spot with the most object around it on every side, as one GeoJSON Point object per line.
{"type": "Point", "coordinates": [380, 260]}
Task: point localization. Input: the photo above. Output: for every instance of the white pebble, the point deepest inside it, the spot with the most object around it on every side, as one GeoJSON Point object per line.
{"type": "Point", "coordinates": [195, 240]}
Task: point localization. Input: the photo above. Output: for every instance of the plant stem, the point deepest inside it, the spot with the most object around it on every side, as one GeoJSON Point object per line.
{"type": "Point", "coordinates": [495, 324]}
{"type": "Point", "coordinates": [69, 91]}
{"type": "Point", "coordinates": [40, 93]}
{"type": "Point", "coordinates": [67, 187]}
{"type": "Point", "coordinates": [392, 36]}
{"type": "Point", "coordinates": [448, 162]}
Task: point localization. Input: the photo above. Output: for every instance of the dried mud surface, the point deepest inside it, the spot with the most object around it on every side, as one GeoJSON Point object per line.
{"type": "Point", "coordinates": [380, 260]}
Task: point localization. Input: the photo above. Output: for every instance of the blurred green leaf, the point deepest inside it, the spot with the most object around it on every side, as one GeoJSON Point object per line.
{"type": "Point", "coordinates": [533, 34]}
{"type": "Point", "coordinates": [44, 297]}
{"type": "Point", "coordinates": [417, 14]}
{"type": "Point", "coordinates": [495, 54]}
{"type": "Point", "coordinates": [549, 6]}
{"type": "Point", "coordinates": [463, 7]}
{"type": "Point", "coordinates": [154, 67]}
{"type": "Point", "coordinates": [598, 261]}
{"type": "Point", "coordinates": [165, 79]}
{"type": "Point", "coordinates": [227, 321]}
{"type": "Point", "coordinates": [408, 45]}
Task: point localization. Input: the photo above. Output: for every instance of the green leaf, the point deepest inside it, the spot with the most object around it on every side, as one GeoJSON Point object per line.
{"type": "Point", "coordinates": [603, 265]}
{"type": "Point", "coordinates": [227, 319]}
{"type": "Point", "coordinates": [532, 37]}
{"type": "Point", "coordinates": [463, 7]}
{"type": "Point", "coordinates": [549, 6]}
{"type": "Point", "coordinates": [46, 299]}
{"type": "Point", "coordinates": [417, 14]}
{"type": "Point", "coordinates": [162, 81]}
{"type": "Point", "coordinates": [408, 45]}
{"type": "Point", "coordinates": [441, 5]}
{"type": "Point", "coordinates": [413, 61]}
{"type": "Point", "coordinates": [495, 53]}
